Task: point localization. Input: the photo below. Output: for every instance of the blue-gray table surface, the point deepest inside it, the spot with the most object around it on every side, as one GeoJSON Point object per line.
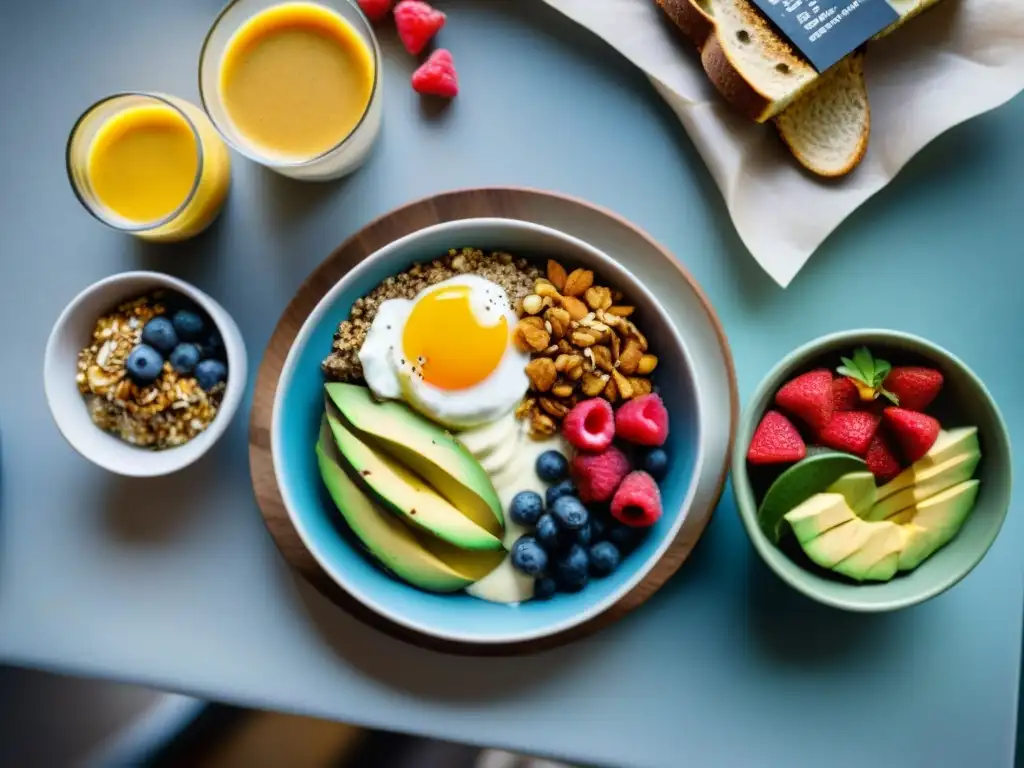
{"type": "Point", "coordinates": [175, 582]}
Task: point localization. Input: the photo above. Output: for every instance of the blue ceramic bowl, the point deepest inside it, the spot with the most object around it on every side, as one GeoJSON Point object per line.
{"type": "Point", "coordinates": [298, 407]}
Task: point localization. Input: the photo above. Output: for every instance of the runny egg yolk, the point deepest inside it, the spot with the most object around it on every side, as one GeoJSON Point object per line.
{"type": "Point", "coordinates": [445, 344]}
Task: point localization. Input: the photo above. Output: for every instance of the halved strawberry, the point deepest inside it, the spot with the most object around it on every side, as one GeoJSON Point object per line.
{"type": "Point", "coordinates": [881, 459]}
{"type": "Point", "coordinates": [776, 441]}
{"type": "Point", "coordinates": [845, 395]}
{"type": "Point", "coordinates": [916, 387]}
{"type": "Point", "coordinates": [914, 432]}
{"type": "Point", "coordinates": [808, 396]}
{"type": "Point", "coordinates": [850, 431]}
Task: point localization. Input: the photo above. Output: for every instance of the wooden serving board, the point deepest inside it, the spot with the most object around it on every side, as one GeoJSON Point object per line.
{"type": "Point", "coordinates": [523, 204]}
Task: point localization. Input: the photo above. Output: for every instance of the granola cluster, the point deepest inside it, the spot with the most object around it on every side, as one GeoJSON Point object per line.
{"type": "Point", "coordinates": [516, 276]}
{"type": "Point", "coordinates": [169, 412]}
{"type": "Point", "coordinates": [583, 344]}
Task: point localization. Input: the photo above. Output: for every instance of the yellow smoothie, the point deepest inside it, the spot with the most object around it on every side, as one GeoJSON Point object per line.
{"type": "Point", "coordinates": [295, 80]}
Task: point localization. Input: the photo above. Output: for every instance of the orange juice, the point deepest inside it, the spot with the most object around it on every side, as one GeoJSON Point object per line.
{"type": "Point", "coordinates": [295, 80]}
{"type": "Point", "coordinates": [152, 165]}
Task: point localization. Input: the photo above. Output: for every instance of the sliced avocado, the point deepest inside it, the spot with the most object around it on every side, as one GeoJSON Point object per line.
{"type": "Point", "coordinates": [385, 536]}
{"type": "Point", "coordinates": [858, 488]}
{"type": "Point", "coordinates": [928, 482]}
{"type": "Point", "coordinates": [407, 494]}
{"type": "Point", "coordinates": [936, 521]}
{"type": "Point", "coordinates": [425, 448]}
{"type": "Point", "coordinates": [840, 542]}
{"type": "Point", "coordinates": [798, 483]}
{"type": "Point", "coordinates": [818, 514]}
{"type": "Point", "coordinates": [948, 445]}
{"type": "Point", "coordinates": [884, 544]}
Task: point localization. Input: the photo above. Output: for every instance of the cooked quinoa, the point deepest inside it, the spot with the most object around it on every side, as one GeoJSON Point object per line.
{"type": "Point", "coordinates": [515, 275]}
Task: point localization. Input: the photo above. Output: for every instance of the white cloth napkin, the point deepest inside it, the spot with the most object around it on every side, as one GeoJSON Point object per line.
{"type": "Point", "coordinates": [960, 59]}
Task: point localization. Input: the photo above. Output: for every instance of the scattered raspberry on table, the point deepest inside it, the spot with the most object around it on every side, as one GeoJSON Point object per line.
{"type": "Point", "coordinates": [436, 76]}
{"type": "Point", "coordinates": [375, 10]}
{"type": "Point", "coordinates": [417, 23]}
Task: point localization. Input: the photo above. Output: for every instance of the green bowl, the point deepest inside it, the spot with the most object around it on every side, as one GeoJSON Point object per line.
{"type": "Point", "coordinates": [964, 401]}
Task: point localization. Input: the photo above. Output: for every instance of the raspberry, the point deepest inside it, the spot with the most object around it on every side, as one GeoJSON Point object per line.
{"type": "Point", "coordinates": [375, 10]}
{"type": "Point", "coordinates": [598, 475]}
{"type": "Point", "coordinates": [417, 22]}
{"type": "Point", "coordinates": [643, 421]}
{"type": "Point", "coordinates": [637, 503]}
{"type": "Point", "coordinates": [590, 426]}
{"type": "Point", "coordinates": [436, 76]}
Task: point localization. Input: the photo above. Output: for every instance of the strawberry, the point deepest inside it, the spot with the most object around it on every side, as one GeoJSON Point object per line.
{"type": "Point", "coordinates": [417, 23]}
{"type": "Point", "coordinates": [436, 76]}
{"type": "Point", "coordinates": [776, 441]}
{"type": "Point", "coordinates": [850, 431]}
{"type": "Point", "coordinates": [808, 396]}
{"type": "Point", "coordinates": [881, 460]}
{"type": "Point", "coordinates": [915, 387]}
{"type": "Point", "coordinates": [914, 432]}
{"type": "Point", "coordinates": [868, 375]}
{"type": "Point", "coordinates": [375, 10]}
{"type": "Point", "coordinates": [845, 395]}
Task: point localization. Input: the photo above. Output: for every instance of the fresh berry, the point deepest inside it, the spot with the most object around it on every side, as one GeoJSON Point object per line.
{"type": "Point", "coordinates": [598, 528]}
{"type": "Point", "coordinates": [590, 426]}
{"type": "Point", "coordinates": [655, 464]}
{"type": "Point", "coordinates": [437, 76]}
{"type": "Point", "coordinates": [915, 387]}
{"type": "Point", "coordinates": [638, 501]}
{"type": "Point", "coordinates": [552, 466]}
{"type": "Point", "coordinates": [558, 490]}
{"type": "Point", "coordinates": [526, 508]}
{"type": "Point", "coordinates": [881, 460]}
{"type": "Point", "coordinates": [915, 433]}
{"type": "Point", "coordinates": [845, 395]}
{"type": "Point", "coordinates": [569, 513]}
{"type": "Point", "coordinates": [417, 23]}
{"type": "Point", "coordinates": [776, 441]}
{"type": "Point", "coordinates": [529, 557]}
{"type": "Point", "coordinates": [188, 325]}
{"type": "Point", "coordinates": [210, 373]}
{"type": "Point", "coordinates": [159, 333]}
{"type": "Point", "coordinates": [375, 10]}
{"type": "Point", "coordinates": [604, 558]}
{"type": "Point", "coordinates": [624, 537]}
{"type": "Point", "coordinates": [144, 364]}
{"type": "Point", "coordinates": [850, 431]}
{"type": "Point", "coordinates": [809, 397]}
{"type": "Point", "coordinates": [572, 569]}
{"type": "Point", "coordinates": [547, 533]}
{"type": "Point", "coordinates": [643, 421]}
{"type": "Point", "coordinates": [585, 535]}
{"type": "Point", "coordinates": [544, 588]}
{"type": "Point", "coordinates": [184, 358]}
{"type": "Point", "coordinates": [597, 475]}
{"type": "Point", "coordinates": [212, 347]}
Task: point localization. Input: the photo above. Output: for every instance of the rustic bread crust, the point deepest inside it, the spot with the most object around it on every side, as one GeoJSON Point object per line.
{"type": "Point", "coordinates": [690, 18]}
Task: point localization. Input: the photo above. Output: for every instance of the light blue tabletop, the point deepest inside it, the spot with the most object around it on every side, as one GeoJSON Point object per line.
{"type": "Point", "coordinates": [175, 582]}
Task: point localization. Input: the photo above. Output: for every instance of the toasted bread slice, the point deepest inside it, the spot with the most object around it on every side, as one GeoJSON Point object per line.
{"type": "Point", "coordinates": [753, 67]}
{"type": "Point", "coordinates": [827, 128]}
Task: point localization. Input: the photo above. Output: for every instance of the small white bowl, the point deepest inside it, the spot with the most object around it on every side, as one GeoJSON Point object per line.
{"type": "Point", "coordinates": [73, 331]}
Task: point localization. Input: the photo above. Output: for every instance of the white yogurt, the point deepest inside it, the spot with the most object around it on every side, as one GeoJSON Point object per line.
{"type": "Point", "coordinates": [509, 454]}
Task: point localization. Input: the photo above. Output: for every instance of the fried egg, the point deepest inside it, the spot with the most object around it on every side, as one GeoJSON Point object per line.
{"type": "Point", "coordinates": [448, 352]}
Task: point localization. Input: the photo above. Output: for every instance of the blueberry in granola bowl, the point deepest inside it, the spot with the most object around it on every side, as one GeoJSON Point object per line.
{"type": "Point", "coordinates": [119, 395]}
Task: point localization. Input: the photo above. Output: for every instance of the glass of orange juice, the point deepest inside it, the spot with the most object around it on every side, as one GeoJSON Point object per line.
{"type": "Point", "coordinates": [149, 164]}
{"type": "Point", "coordinates": [294, 85]}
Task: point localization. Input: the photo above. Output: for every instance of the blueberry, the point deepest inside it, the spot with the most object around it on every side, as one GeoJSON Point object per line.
{"type": "Point", "coordinates": [188, 324]}
{"type": "Point", "coordinates": [656, 463]}
{"type": "Point", "coordinates": [604, 558]}
{"type": "Point", "coordinates": [184, 358]}
{"type": "Point", "coordinates": [572, 569]}
{"type": "Point", "coordinates": [570, 513]}
{"type": "Point", "coordinates": [598, 528]}
{"type": "Point", "coordinates": [623, 536]}
{"type": "Point", "coordinates": [556, 491]}
{"type": "Point", "coordinates": [585, 535]}
{"type": "Point", "coordinates": [210, 373]}
{"type": "Point", "coordinates": [544, 588]}
{"type": "Point", "coordinates": [552, 466]}
{"type": "Point", "coordinates": [212, 347]}
{"type": "Point", "coordinates": [144, 364]}
{"type": "Point", "coordinates": [159, 333]}
{"type": "Point", "coordinates": [529, 557]}
{"type": "Point", "coordinates": [526, 508]}
{"type": "Point", "coordinates": [547, 533]}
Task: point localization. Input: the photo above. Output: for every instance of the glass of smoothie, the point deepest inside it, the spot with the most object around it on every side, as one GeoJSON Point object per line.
{"type": "Point", "coordinates": [294, 86]}
{"type": "Point", "coordinates": [149, 164]}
